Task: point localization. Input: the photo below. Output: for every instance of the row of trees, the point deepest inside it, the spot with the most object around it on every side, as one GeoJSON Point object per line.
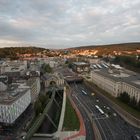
{"type": "Point", "coordinates": [46, 68]}
{"type": "Point", "coordinates": [132, 61]}
{"type": "Point", "coordinates": [12, 52]}
{"type": "Point", "coordinates": [124, 97]}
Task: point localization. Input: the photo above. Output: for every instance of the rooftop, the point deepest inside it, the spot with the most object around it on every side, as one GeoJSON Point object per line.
{"type": "Point", "coordinates": [13, 92]}
{"type": "Point", "coordinates": [80, 63]}
{"type": "Point", "coordinates": [48, 76]}
{"type": "Point", "coordinates": [14, 63]}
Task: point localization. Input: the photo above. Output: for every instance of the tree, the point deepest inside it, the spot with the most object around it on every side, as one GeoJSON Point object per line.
{"type": "Point", "coordinates": [70, 65]}
{"type": "Point", "coordinates": [38, 107]}
{"type": "Point", "coordinates": [138, 106]}
{"type": "Point", "coordinates": [46, 68]}
{"type": "Point", "coordinates": [117, 59]}
{"type": "Point", "coordinates": [43, 99]}
{"type": "Point", "coordinates": [133, 102]}
{"type": "Point", "coordinates": [125, 97]}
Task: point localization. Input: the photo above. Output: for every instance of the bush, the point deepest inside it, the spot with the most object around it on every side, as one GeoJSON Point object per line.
{"type": "Point", "coordinates": [46, 68]}
{"type": "Point", "coordinates": [124, 97]}
{"type": "Point", "coordinates": [133, 103]}
{"type": "Point", "coordinates": [38, 107]}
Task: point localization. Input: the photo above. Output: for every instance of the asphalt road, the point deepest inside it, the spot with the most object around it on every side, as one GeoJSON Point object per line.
{"type": "Point", "coordinates": [86, 119]}
{"type": "Point", "coordinates": [109, 123]}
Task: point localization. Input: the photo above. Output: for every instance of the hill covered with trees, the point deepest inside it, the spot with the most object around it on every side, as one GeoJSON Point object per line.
{"type": "Point", "coordinates": [124, 48]}
{"type": "Point", "coordinates": [12, 52]}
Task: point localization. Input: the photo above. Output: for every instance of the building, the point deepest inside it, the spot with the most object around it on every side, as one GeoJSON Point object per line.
{"type": "Point", "coordinates": [33, 73]}
{"type": "Point", "coordinates": [80, 67]}
{"type": "Point", "coordinates": [1, 68]}
{"type": "Point", "coordinates": [13, 102]}
{"type": "Point", "coordinates": [34, 84]}
{"type": "Point", "coordinates": [53, 64]}
{"type": "Point", "coordinates": [4, 79]}
{"type": "Point", "coordinates": [53, 79]}
{"type": "Point", "coordinates": [3, 87]}
{"type": "Point", "coordinates": [116, 81]}
{"type": "Point", "coordinates": [52, 61]}
{"type": "Point", "coordinates": [13, 68]}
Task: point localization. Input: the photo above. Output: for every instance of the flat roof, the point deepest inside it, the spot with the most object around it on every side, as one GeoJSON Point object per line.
{"type": "Point", "coordinates": [80, 63]}
{"type": "Point", "coordinates": [126, 76]}
{"type": "Point", "coordinates": [13, 93]}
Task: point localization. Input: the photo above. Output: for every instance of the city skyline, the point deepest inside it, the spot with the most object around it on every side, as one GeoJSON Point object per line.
{"type": "Point", "coordinates": [62, 24]}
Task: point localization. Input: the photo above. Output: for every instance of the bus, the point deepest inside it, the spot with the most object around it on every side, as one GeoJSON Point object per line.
{"type": "Point", "coordinates": [99, 109]}
{"type": "Point", "coordinates": [84, 92]}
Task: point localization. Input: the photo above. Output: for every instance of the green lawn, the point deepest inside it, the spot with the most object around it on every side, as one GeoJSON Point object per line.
{"type": "Point", "coordinates": [71, 121]}
{"type": "Point", "coordinates": [126, 107]}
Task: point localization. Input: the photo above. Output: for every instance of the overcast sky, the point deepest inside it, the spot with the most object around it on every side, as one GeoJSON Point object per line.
{"type": "Point", "coordinates": [68, 23]}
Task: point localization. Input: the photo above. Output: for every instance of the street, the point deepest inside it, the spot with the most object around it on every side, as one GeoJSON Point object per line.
{"type": "Point", "coordinates": [109, 123]}
{"type": "Point", "coordinates": [87, 121]}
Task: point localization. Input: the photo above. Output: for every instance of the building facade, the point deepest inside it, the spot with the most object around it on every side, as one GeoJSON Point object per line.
{"type": "Point", "coordinates": [50, 79]}
{"type": "Point", "coordinates": [13, 68]}
{"type": "Point", "coordinates": [13, 104]}
{"type": "Point", "coordinates": [115, 84]}
{"type": "Point", "coordinates": [80, 67]}
{"type": "Point", "coordinates": [34, 84]}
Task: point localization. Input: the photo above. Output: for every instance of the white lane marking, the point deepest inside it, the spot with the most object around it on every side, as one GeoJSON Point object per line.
{"type": "Point", "coordinates": [97, 121]}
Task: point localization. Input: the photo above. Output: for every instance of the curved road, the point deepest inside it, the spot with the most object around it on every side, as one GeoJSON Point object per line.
{"type": "Point", "coordinates": [109, 123]}
{"type": "Point", "coordinates": [87, 121]}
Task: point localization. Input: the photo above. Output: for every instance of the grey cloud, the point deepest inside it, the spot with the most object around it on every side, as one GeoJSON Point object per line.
{"type": "Point", "coordinates": [56, 24]}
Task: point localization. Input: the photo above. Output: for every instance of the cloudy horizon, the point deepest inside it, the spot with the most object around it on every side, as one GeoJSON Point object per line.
{"type": "Point", "coordinates": [71, 23]}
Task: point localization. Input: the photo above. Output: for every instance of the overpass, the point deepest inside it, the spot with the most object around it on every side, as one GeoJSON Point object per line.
{"type": "Point", "coordinates": [70, 76]}
{"type": "Point", "coordinates": [72, 79]}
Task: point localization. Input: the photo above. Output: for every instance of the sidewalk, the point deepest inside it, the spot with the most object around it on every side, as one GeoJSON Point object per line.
{"type": "Point", "coordinates": [67, 135]}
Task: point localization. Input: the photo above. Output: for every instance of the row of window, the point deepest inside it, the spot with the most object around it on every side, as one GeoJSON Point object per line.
{"type": "Point", "coordinates": [9, 113]}
{"type": "Point", "coordinates": [110, 86]}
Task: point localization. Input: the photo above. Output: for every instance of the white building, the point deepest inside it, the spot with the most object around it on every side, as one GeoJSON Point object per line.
{"type": "Point", "coordinates": [53, 64]}
{"type": "Point", "coordinates": [80, 67]}
{"type": "Point", "coordinates": [13, 102]}
{"type": "Point", "coordinates": [52, 61]}
{"type": "Point", "coordinates": [93, 60]}
{"type": "Point", "coordinates": [117, 81]}
{"type": "Point", "coordinates": [14, 67]}
{"type": "Point", "coordinates": [3, 87]}
{"type": "Point", "coordinates": [34, 84]}
{"type": "Point", "coordinates": [50, 79]}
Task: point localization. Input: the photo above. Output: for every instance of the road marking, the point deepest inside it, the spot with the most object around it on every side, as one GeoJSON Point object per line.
{"type": "Point", "coordinates": [101, 118]}
{"type": "Point", "coordinates": [89, 110]}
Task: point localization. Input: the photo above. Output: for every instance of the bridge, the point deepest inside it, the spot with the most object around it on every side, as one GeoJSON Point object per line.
{"type": "Point", "coordinates": [70, 76]}
{"type": "Point", "coordinates": [47, 126]}
{"type": "Point", "coordinates": [71, 79]}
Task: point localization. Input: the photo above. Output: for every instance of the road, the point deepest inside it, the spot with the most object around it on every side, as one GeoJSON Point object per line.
{"type": "Point", "coordinates": [109, 123]}
{"type": "Point", "coordinates": [86, 119]}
